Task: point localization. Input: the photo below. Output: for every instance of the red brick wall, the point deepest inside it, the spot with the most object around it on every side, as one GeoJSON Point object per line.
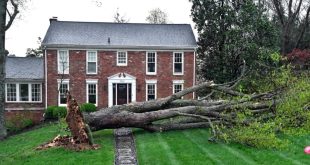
{"type": "Point", "coordinates": [107, 67]}
{"type": "Point", "coordinates": [35, 116]}
{"type": "Point", "coordinates": [33, 111]}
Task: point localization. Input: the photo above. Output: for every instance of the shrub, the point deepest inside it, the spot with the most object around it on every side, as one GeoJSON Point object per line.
{"type": "Point", "coordinates": [49, 112]}
{"type": "Point", "coordinates": [59, 112]}
{"type": "Point", "coordinates": [300, 59]}
{"type": "Point", "coordinates": [18, 123]}
{"type": "Point", "coordinates": [88, 107]}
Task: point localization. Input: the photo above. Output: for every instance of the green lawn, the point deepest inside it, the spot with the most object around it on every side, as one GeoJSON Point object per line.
{"type": "Point", "coordinates": [192, 147]}
{"type": "Point", "coordinates": [19, 149]}
{"type": "Point", "coordinates": [175, 147]}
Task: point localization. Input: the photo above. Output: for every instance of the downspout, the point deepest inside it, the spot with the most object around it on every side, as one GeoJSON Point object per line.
{"type": "Point", "coordinates": [194, 72]}
{"type": "Point", "coordinates": [45, 76]}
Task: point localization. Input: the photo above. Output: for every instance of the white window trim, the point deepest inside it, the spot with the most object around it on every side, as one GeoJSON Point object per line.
{"type": "Point", "coordinates": [64, 81]}
{"type": "Point", "coordinates": [121, 64]}
{"type": "Point", "coordinates": [147, 82]}
{"type": "Point", "coordinates": [182, 73]}
{"type": "Point", "coordinates": [91, 61]}
{"type": "Point", "coordinates": [65, 71]}
{"type": "Point", "coordinates": [177, 82]}
{"type": "Point", "coordinates": [29, 92]}
{"type": "Point", "coordinates": [92, 81]}
{"type": "Point", "coordinates": [146, 63]}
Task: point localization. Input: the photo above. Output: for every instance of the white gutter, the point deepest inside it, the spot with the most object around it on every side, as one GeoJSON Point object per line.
{"type": "Point", "coordinates": [194, 72]}
{"type": "Point", "coordinates": [45, 76]}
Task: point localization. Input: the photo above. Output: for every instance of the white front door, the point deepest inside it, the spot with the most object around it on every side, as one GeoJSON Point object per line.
{"type": "Point", "coordinates": [122, 89]}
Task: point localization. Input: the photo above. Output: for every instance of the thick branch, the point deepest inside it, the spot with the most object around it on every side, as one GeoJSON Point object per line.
{"type": "Point", "coordinates": [12, 16]}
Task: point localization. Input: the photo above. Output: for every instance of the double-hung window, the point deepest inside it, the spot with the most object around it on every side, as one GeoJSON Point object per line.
{"type": "Point", "coordinates": [23, 92]}
{"type": "Point", "coordinates": [177, 85]}
{"type": "Point", "coordinates": [178, 63]}
{"type": "Point", "coordinates": [63, 87]}
{"type": "Point", "coordinates": [151, 89]}
{"type": "Point", "coordinates": [91, 62]}
{"type": "Point", "coordinates": [92, 91]}
{"type": "Point", "coordinates": [151, 61]}
{"type": "Point", "coordinates": [11, 92]}
{"type": "Point", "coordinates": [63, 62]}
{"type": "Point", "coordinates": [121, 58]}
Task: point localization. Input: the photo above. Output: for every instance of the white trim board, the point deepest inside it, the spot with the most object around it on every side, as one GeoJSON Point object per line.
{"type": "Point", "coordinates": [121, 78]}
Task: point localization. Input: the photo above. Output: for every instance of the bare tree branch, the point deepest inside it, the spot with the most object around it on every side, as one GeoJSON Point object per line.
{"type": "Point", "coordinates": [12, 16]}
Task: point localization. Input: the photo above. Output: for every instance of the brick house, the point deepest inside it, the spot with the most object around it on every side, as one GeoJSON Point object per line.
{"type": "Point", "coordinates": [24, 88]}
{"type": "Point", "coordinates": [117, 63]}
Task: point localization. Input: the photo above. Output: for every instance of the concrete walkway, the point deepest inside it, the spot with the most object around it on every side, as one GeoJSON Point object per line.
{"type": "Point", "coordinates": [125, 152]}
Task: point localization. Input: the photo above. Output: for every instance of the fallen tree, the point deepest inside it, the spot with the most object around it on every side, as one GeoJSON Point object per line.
{"type": "Point", "coordinates": [169, 113]}
{"type": "Point", "coordinates": [183, 113]}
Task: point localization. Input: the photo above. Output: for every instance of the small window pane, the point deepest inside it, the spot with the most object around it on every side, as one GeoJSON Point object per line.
{"type": "Point", "coordinates": [36, 92]}
{"type": "Point", "coordinates": [24, 92]}
{"type": "Point", "coordinates": [177, 68]}
{"type": "Point", "coordinates": [91, 67]}
{"type": "Point", "coordinates": [92, 57]}
{"type": "Point", "coordinates": [11, 92]}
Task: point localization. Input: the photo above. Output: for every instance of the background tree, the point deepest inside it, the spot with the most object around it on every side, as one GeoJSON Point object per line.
{"type": "Point", "coordinates": [7, 8]}
{"type": "Point", "coordinates": [157, 16]}
{"type": "Point", "coordinates": [292, 16]}
{"type": "Point", "coordinates": [229, 32]}
{"type": "Point", "coordinates": [35, 52]}
{"type": "Point", "coordinates": [118, 18]}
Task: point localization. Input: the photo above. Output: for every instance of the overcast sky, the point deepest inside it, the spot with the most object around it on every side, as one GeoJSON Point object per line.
{"type": "Point", "coordinates": [34, 20]}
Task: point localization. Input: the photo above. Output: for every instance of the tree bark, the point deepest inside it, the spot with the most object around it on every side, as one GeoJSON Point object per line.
{"type": "Point", "coordinates": [182, 113]}
{"type": "Point", "coordinates": [3, 4]}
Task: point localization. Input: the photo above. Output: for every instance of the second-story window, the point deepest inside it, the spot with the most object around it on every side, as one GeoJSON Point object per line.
{"type": "Point", "coordinates": [151, 63]}
{"type": "Point", "coordinates": [121, 58]}
{"type": "Point", "coordinates": [178, 63]}
{"type": "Point", "coordinates": [91, 62]}
{"type": "Point", "coordinates": [63, 62]}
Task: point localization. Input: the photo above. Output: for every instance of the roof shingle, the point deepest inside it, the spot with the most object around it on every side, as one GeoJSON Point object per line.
{"type": "Point", "coordinates": [28, 68]}
{"type": "Point", "coordinates": [121, 35]}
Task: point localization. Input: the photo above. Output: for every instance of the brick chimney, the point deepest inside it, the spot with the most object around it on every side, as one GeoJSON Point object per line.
{"type": "Point", "coordinates": [53, 19]}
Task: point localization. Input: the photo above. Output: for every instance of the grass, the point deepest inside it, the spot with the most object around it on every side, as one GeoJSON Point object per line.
{"type": "Point", "coordinates": [20, 149]}
{"type": "Point", "coordinates": [174, 147]}
{"type": "Point", "coordinates": [192, 147]}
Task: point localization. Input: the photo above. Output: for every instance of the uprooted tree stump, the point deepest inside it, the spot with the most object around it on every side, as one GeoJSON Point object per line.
{"type": "Point", "coordinates": [81, 137]}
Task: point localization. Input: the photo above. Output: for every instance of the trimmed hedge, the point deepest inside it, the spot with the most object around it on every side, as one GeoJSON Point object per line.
{"type": "Point", "coordinates": [53, 112]}
{"type": "Point", "coordinates": [88, 107]}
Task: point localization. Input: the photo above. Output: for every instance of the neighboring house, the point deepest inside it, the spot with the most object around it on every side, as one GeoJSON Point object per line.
{"type": "Point", "coordinates": [117, 63]}
{"type": "Point", "coordinates": [24, 87]}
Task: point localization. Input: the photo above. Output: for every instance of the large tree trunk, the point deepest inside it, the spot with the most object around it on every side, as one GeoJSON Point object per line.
{"type": "Point", "coordinates": [3, 4]}
{"type": "Point", "coordinates": [183, 114]}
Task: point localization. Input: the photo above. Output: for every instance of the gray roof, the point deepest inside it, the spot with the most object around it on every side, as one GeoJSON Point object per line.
{"type": "Point", "coordinates": [24, 68]}
{"type": "Point", "coordinates": [65, 34]}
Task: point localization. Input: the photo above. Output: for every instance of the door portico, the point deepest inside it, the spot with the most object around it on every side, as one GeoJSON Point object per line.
{"type": "Point", "coordinates": [122, 89]}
